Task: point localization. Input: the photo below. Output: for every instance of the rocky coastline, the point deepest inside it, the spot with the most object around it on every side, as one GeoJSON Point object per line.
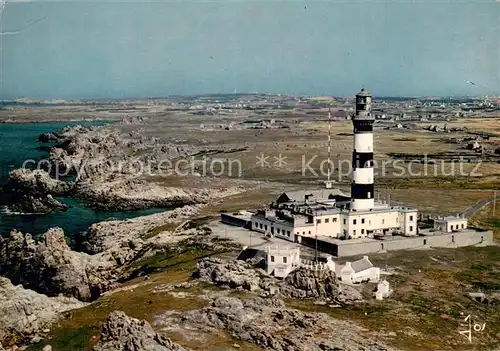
{"type": "Point", "coordinates": [112, 171]}
{"type": "Point", "coordinates": [32, 192]}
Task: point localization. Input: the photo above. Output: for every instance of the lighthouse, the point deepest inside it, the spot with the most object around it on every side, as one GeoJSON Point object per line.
{"type": "Point", "coordinates": [362, 188]}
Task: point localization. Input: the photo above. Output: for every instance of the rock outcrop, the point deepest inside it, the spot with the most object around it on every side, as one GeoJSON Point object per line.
{"type": "Point", "coordinates": [113, 170]}
{"type": "Point", "coordinates": [105, 235]}
{"type": "Point", "coordinates": [36, 183]}
{"type": "Point", "coordinates": [31, 192]}
{"type": "Point", "coordinates": [24, 313]}
{"type": "Point", "coordinates": [48, 138]}
{"type": "Point", "coordinates": [123, 333]}
{"type": "Point", "coordinates": [30, 205]}
{"type": "Point", "coordinates": [51, 267]}
{"type": "Point", "coordinates": [301, 283]}
{"type": "Point", "coordinates": [270, 325]}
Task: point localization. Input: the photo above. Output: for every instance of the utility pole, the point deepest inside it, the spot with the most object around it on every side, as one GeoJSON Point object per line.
{"type": "Point", "coordinates": [494, 202]}
{"type": "Point", "coordinates": [316, 238]}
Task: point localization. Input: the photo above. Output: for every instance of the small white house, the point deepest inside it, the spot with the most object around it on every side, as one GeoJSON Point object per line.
{"type": "Point", "coordinates": [280, 261]}
{"type": "Point", "coordinates": [450, 223]}
{"type": "Point", "coordinates": [383, 290]}
{"type": "Point", "coordinates": [358, 271]}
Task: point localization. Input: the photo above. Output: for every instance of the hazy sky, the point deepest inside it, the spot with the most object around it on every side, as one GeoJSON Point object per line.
{"type": "Point", "coordinates": [140, 49]}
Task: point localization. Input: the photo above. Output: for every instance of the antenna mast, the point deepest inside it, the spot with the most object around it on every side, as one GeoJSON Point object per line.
{"type": "Point", "coordinates": [328, 182]}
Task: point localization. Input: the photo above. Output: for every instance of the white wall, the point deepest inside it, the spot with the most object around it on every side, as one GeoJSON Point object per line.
{"type": "Point", "coordinates": [358, 225]}
{"type": "Point", "coordinates": [409, 223]}
{"type": "Point", "coordinates": [281, 262]}
{"type": "Point", "coordinates": [450, 225]}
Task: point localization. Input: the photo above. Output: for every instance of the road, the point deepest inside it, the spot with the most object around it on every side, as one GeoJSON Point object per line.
{"type": "Point", "coordinates": [471, 211]}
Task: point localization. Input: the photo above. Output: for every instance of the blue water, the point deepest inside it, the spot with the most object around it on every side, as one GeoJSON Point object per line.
{"type": "Point", "coordinates": [17, 144]}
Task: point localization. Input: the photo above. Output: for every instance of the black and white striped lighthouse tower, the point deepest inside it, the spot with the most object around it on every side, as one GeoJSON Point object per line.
{"type": "Point", "coordinates": [362, 189]}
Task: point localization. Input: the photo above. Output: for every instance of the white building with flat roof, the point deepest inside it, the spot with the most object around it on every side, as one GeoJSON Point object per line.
{"type": "Point", "coordinates": [290, 221]}
{"type": "Point", "coordinates": [450, 223]}
{"type": "Point", "coordinates": [280, 261]}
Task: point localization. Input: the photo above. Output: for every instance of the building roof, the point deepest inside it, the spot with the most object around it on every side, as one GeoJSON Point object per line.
{"type": "Point", "coordinates": [300, 195]}
{"type": "Point", "coordinates": [361, 265]}
{"type": "Point", "coordinates": [451, 219]}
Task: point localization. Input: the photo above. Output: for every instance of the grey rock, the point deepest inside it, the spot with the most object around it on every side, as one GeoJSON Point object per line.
{"type": "Point", "coordinates": [269, 324]}
{"type": "Point", "coordinates": [51, 267]}
{"type": "Point", "coordinates": [25, 313]}
{"type": "Point", "coordinates": [48, 137]}
{"type": "Point", "coordinates": [123, 333]}
{"type": "Point", "coordinates": [31, 191]}
{"type": "Point", "coordinates": [301, 283]}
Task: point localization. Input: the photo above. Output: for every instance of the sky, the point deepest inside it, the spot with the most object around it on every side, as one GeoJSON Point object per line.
{"type": "Point", "coordinates": [124, 49]}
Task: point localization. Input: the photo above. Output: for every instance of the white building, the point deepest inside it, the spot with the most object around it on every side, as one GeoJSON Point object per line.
{"type": "Point", "coordinates": [358, 271]}
{"type": "Point", "coordinates": [450, 223]}
{"type": "Point", "coordinates": [330, 218]}
{"type": "Point", "coordinates": [383, 290]}
{"type": "Point", "coordinates": [280, 261]}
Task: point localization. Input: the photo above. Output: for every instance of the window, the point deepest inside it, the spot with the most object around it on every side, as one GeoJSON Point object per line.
{"type": "Point", "coordinates": [462, 226]}
{"type": "Point", "coordinates": [260, 225]}
{"type": "Point", "coordinates": [303, 233]}
{"type": "Point", "coordinates": [397, 220]}
{"type": "Point", "coordinates": [411, 228]}
{"type": "Point", "coordinates": [278, 230]}
{"type": "Point", "coordinates": [425, 241]}
{"type": "Point", "coordinates": [453, 238]}
{"type": "Point", "coordinates": [318, 221]}
{"type": "Point", "coordinates": [383, 221]}
{"type": "Point", "coordinates": [345, 221]}
{"type": "Point", "coordinates": [353, 221]}
{"type": "Point", "coordinates": [272, 258]}
{"type": "Point", "coordinates": [362, 231]}
{"type": "Point", "coordinates": [265, 227]}
{"type": "Point", "coordinates": [362, 221]}
{"type": "Point", "coordinates": [334, 220]}
{"type": "Point", "coordinates": [382, 246]}
{"type": "Point", "coordinates": [411, 218]}
{"type": "Point", "coordinates": [354, 232]}
{"type": "Point", "coordinates": [327, 220]}
{"type": "Point", "coordinates": [288, 233]}
{"type": "Point", "coordinates": [309, 232]}
{"type": "Point", "coordinates": [284, 259]}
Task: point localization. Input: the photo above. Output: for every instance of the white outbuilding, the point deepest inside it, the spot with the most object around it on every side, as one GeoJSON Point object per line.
{"type": "Point", "coordinates": [358, 271]}
{"type": "Point", "coordinates": [280, 261]}
{"type": "Point", "coordinates": [383, 290]}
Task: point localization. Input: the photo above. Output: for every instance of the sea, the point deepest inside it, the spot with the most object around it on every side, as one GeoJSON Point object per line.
{"type": "Point", "coordinates": [17, 144]}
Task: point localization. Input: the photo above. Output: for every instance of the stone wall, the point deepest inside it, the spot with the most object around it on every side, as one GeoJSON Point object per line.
{"type": "Point", "coordinates": [446, 240]}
